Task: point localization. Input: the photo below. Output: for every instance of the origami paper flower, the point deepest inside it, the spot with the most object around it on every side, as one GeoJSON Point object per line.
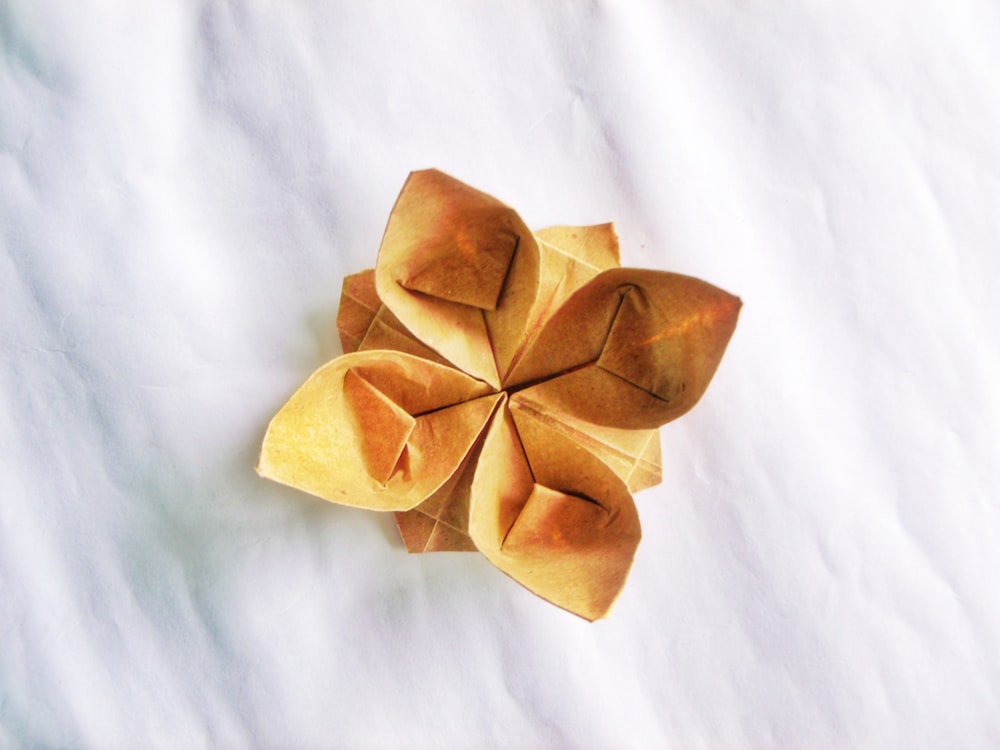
{"type": "Point", "coordinates": [501, 390]}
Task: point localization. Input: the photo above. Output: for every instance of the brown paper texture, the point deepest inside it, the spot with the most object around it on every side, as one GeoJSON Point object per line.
{"type": "Point", "coordinates": [502, 390]}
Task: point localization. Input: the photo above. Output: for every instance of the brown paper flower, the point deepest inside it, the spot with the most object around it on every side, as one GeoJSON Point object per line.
{"type": "Point", "coordinates": [502, 390]}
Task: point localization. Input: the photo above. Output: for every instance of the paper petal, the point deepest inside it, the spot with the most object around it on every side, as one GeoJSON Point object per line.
{"type": "Point", "coordinates": [638, 348]}
{"type": "Point", "coordinates": [552, 516]}
{"type": "Point", "coordinates": [444, 266]}
{"type": "Point", "coordinates": [337, 435]}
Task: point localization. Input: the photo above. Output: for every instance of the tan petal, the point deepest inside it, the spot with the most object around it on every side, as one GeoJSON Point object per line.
{"type": "Point", "coordinates": [443, 270]}
{"type": "Point", "coordinates": [382, 430]}
{"type": "Point", "coordinates": [638, 348]}
{"type": "Point", "coordinates": [552, 516]}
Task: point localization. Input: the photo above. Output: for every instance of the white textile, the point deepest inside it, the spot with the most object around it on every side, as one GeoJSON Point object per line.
{"type": "Point", "coordinates": [184, 185]}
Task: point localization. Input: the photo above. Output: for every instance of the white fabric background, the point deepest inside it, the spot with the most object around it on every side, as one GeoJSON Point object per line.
{"type": "Point", "coordinates": [183, 186]}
